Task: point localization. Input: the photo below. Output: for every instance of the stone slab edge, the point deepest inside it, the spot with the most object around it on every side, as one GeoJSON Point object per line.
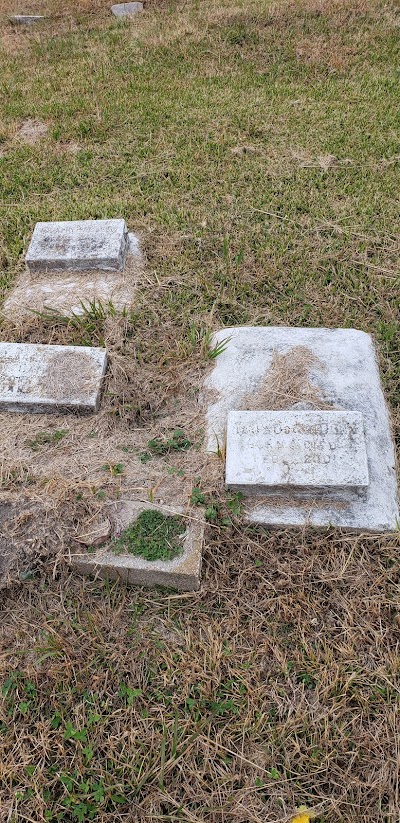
{"type": "Point", "coordinates": [27, 19]}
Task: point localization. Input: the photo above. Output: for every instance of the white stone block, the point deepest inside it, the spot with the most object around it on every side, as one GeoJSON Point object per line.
{"type": "Point", "coordinates": [126, 9]}
{"type": "Point", "coordinates": [26, 19]}
{"type": "Point", "coordinates": [307, 450]}
{"type": "Point", "coordinates": [78, 245]}
{"type": "Point", "coordinates": [345, 374]}
{"type": "Point", "coordinates": [39, 378]}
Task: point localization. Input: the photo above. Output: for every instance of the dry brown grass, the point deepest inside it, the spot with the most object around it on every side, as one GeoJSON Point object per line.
{"type": "Point", "coordinates": [274, 686]}
{"type": "Point", "coordinates": [288, 382]}
{"type": "Point", "coordinates": [61, 468]}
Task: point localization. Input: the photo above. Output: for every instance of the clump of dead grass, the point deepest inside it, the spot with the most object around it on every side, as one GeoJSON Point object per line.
{"type": "Point", "coordinates": [288, 382]}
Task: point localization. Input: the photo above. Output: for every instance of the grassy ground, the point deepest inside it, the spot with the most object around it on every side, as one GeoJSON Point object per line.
{"type": "Point", "coordinates": [255, 148]}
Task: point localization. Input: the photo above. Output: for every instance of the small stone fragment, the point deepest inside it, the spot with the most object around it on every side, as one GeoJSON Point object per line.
{"type": "Point", "coordinates": [96, 534]}
{"type": "Point", "coordinates": [126, 9]}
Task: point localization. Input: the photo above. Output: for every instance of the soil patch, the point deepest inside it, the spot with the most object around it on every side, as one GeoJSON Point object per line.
{"type": "Point", "coordinates": [31, 131]}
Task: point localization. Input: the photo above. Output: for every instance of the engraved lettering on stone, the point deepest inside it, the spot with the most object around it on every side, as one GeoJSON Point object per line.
{"type": "Point", "coordinates": [324, 448]}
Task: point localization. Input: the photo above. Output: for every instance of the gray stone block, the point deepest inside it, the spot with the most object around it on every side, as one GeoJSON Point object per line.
{"type": "Point", "coordinates": [126, 9]}
{"type": "Point", "coordinates": [310, 451]}
{"type": "Point", "coordinates": [78, 245]}
{"type": "Point", "coordinates": [181, 573]}
{"type": "Point", "coordinates": [344, 374]}
{"type": "Point", "coordinates": [39, 378]}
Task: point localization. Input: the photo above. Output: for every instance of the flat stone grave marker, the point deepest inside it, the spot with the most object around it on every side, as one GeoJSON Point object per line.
{"type": "Point", "coordinates": [26, 19]}
{"type": "Point", "coordinates": [40, 378]}
{"type": "Point", "coordinates": [78, 245]}
{"type": "Point", "coordinates": [310, 451]}
{"type": "Point", "coordinates": [258, 371]}
{"type": "Point", "coordinates": [126, 9]}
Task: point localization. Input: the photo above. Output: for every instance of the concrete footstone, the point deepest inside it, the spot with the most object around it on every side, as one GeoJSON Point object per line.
{"type": "Point", "coordinates": [181, 573]}
{"type": "Point", "coordinates": [71, 291]}
{"type": "Point", "coordinates": [26, 19]}
{"type": "Point", "coordinates": [39, 378]}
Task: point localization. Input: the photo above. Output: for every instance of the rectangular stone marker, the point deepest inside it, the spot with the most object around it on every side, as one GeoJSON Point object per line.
{"type": "Point", "coordinates": [38, 378]}
{"type": "Point", "coordinates": [306, 450]}
{"type": "Point", "coordinates": [78, 245]}
{"type": "Point", "coordinates": [27, 19]}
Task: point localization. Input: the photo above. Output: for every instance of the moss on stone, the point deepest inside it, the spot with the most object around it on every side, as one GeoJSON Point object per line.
{"type": "Point", "coordinates": [153, 535]}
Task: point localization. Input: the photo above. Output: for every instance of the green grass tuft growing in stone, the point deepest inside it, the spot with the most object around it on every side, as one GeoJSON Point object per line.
{"type": "Point", "coordinates": [153, 535]}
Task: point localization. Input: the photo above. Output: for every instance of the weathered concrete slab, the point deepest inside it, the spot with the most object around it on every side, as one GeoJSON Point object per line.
{"type": "Point", "coordinates": [343, 375]}
{"type": "Point", "coordinates": [182, 573]}
{"type": "Point", "coordinates": [306, 450]}
{"type": "Point", "coordinates": [126, 9]}
{"type": "Point", "coordinates": [38, 378]}
{"type": "Point", "coordinates": [26, 19]}
{"type": "Point", "coordinates": [78, 245]}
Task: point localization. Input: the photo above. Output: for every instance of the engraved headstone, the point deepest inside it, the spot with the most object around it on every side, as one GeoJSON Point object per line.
{"type": "Point", "coordinates": [78, 245]}
{"type": "Point", "coordinates": [40, 378]}
{"type": "Point", "coordinates": [309, 451]}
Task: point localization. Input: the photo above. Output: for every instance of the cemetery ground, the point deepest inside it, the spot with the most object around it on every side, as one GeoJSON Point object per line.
{"type": "Point", "coordinates": [254, 149]}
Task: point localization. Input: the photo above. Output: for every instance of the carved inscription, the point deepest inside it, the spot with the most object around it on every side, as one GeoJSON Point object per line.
{"type": "Point", "coordinates": [318, 449]}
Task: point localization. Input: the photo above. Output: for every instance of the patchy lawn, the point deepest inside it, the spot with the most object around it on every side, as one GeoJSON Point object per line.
{"type": "Point", "coordinates": [255, 148]}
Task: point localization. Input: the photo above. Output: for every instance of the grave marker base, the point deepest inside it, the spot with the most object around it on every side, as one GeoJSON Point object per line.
{"type": "Point", "coordinates": [342, 375]}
